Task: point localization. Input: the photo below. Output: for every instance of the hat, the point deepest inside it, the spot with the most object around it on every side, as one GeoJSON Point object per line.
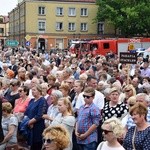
{"type": "Point", "coordinates": [114, 89]}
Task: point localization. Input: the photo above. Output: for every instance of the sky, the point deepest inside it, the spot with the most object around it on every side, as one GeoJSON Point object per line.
{"type": "Point", "coordinates": [6, 6]}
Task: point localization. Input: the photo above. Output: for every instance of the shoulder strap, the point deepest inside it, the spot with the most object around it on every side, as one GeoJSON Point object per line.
{"type": "Point", "coordinates": [133, 138]}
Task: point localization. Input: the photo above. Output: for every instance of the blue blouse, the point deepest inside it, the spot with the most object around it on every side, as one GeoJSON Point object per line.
{"type": "Point", "coordinates": [36, 109]}
{"type": "Point", "coordinates": [141, 140]}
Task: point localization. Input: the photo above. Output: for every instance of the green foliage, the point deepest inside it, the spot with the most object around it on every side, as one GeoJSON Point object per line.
{"type": "Point", "coordinates": [131, 17]}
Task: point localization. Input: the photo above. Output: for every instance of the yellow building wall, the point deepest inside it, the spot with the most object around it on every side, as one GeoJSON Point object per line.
{"type": "Point", "coordinates": [32, 17]}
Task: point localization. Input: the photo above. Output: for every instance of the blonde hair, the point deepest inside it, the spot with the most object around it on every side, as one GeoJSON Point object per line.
{"type": "Point", "coordinates": [67, 102]}
{"type": "Point", "coordinates": [6, 106]}
{"type": "Point", "coordinates": [59, 134]}
{"type": "Point", "coordinates": [130, 86]}
{"type": "Point", "coordinates": [115, 126]}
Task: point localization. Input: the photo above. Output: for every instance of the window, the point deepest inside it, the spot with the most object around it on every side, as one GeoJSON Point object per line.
{"type": "Point", "coordinates": [106, 46]}
{"type": "Point", "coordinates": [1, 30]}
{"type": "Point", "coordinates": [41, 10]}
{"type": "Point", "coordinates": [59, 25]}
{"type": "Point", "coordinates": [72, 12]}
{"type": "Point", "coordinates": [101, 27]}
{"type": "Point", "coordinates": [71, 27]}
{"type": "Point", "coordinates": [84, 12]}
{"type": "Point", "coordinates": [83, 26]}
{"type": "Point", "coordinates": [41, 25]}
{"type": "Point", "coordinates": [59, 11]}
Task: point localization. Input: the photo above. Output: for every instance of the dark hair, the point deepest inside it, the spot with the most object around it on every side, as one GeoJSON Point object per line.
{"type": "Point", "coordinates": [25, 89]}
{"type": "Point", "coordinates": [89, 78]}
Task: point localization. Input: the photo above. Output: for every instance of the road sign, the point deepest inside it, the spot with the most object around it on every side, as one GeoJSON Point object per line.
{"type": "Point", "coordinates": [27, 37]}
{"type": "Point", "coordinates": [128, 58]}
{"type": "Point", "coordinates": [12, 43]}
{"type": "Point", "coordinates": [27, 43]}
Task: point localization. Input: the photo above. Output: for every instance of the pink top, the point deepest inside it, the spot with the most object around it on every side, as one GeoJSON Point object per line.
{"type": "Point", "coordinates": [21, 106]}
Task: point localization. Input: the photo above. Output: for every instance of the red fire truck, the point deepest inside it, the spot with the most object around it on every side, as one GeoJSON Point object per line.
{"type": "Point", "coordinates": [104, 46]}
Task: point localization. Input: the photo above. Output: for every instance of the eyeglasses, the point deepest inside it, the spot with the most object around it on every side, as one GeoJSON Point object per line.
{"type": "Point", "coordinates": [128, 91]}
{"type": "Point", "coordinates": [106, 131]}
{"type": "Point", "coordinates": [86, 96]}
{"type": "Point", "coordinates": [20, 91]}
{"type": "Point", "coordinates": [48, 141]}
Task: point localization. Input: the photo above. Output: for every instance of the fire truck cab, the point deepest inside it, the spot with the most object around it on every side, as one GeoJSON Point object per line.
{"type": "Point", "coordinates": [102, 47]}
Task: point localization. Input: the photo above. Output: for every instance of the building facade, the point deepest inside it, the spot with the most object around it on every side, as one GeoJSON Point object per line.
{"type": "Point", "coordinates": [52, 24]}
{"type": "Point", "coordinates": [4, 29]}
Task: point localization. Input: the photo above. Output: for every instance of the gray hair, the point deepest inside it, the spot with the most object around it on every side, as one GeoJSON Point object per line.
{"type": "Point", "coordinates": [57, 93]}
{"type": "Point", "coordinates": [144, 95]}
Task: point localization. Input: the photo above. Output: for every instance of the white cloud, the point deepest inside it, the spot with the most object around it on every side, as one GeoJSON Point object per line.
{"type": "Point", "coordinates": [7, 6]}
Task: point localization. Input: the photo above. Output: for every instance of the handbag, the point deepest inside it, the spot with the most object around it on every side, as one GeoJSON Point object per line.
{"type": "Point", "coordinates": [133, 138]}
{"type": "Point", "coordinates": [12, 147]}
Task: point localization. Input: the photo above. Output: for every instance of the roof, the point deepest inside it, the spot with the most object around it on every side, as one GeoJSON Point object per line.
{"type": "Point", "coordinates": [87, 1]}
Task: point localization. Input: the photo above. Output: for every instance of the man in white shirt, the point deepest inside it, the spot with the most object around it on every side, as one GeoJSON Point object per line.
{"type": "Point", "coordinates": [98, 98]}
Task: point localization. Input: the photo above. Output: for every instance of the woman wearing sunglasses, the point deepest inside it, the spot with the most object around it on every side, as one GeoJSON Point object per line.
{"type": "Point", "coordinates": [21, 104]}
{"type": "Point", "coordinates": [112, 130]}
{"type": "Point", "coordinates": [55, 138]}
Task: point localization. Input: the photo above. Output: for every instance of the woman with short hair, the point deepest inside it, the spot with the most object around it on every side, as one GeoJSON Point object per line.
{"type": "Point", "coordinates": [55, 138]}
{"type": "Point", "coordinates": [138, 137]}
{"type": "Point", "coordinates": [112, 130]}
{"type": "Point", "coordinates": [34, 112]}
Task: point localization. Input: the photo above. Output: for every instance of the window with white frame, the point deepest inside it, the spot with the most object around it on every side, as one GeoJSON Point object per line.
{"type": "Point", "coordinates": [83, 26]}
{"type": "Point", "coordinates": [84, 12]}
{"type": "Point", "coordinates": [72, 12]}
{"type": "Point", "coordinates": [59, 11]}
{"type": "Point", "coordinates": [59, 26]}
{"type": "Point", "coordinates": [101, 27]}
{"type": "Point", "coordinates": [41, 10]}
{"type": "Point", "coordinates": [42, 25]}
{"type": "Point", "coordinates": [71, 27]}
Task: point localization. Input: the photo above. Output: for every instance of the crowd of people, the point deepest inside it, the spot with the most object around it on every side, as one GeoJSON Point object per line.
{"type": "Point", "coordinates": [57, 101]}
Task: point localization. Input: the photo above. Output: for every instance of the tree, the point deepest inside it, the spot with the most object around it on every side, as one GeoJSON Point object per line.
{"type": "Point", "coordinates": [131, 17]}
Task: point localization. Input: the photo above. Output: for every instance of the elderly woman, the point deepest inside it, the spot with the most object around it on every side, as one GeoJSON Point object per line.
{"type": "Point", "coordinates": [53, 108]}
{"type": "Point", "coordinates": [55, 138]}
{"type": "Point", "coordinates": [9, 126]}
{"type": "Point", "coordinates": [21, 104]}
{"type": "Point", "coordinates": [114, 107]}
{"type": "Point", "coordinates": [112, 130]}
{"type": "Point", "coordinates": [138, 136]}
{"type": "Point", "coordinates": [35, 110]}
{"type": "Point", "coordinates": [65, 117]}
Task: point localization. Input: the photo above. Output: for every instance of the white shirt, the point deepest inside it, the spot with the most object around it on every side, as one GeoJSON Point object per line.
{"type": "Point", "coordinates": [106, 147]}
{"type": "Point", "coordinates": [98, 100]}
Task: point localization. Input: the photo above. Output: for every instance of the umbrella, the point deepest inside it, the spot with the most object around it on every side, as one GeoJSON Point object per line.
{"type": "Point", "coordinates": [147, 50]}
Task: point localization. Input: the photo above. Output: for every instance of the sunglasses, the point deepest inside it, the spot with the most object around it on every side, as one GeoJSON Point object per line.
{"type": "Point", "coordinates": [106, 131]}
{"type": "Point", "coordinates": [20, 91]}
{"type": "Point", "coordinates": [86, 96]}
{"type": "Point", "coordinates": [127, 91]}
{"type": "Point", "coordinates": [12, 84]}
{"type": "Point", "coordinates": [48, 141]}
{"type": "Point", "coordinates": [131, 105]}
